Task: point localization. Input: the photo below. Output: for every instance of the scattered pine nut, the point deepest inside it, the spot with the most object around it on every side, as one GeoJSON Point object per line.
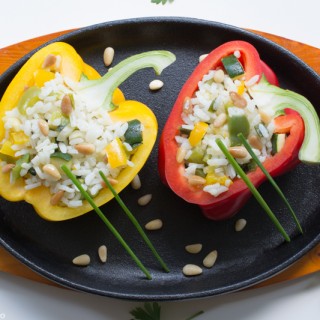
{"type": "Point", "coordinates": [103, 251]}
{"type": "Point", "coordinates": [7, 168]}
{"type": "Point", "coordinates": [55, 199]}
{"type": "Point", "coordinates": [136, 183]}
{"type": "Point", "coordinates": [85, 148]}
{"type": "Point", "coordinates": [82, 260]}
{"type": "Point", "coordinates": [194, 248]}
{"type": "Point", "coordinates": [238, 100]}
{"type": "Point", "coordinates": [202, 57]}
{"type": "Point", "coordinates": [49, 61]}
{"type": "Point", "coordinates": [240, 224]}
{"type": "Point", "coordinates": [154, 225]}
{"type": "Point", "coordinates": [155, 84]}
{"type": "Point", "coordinates": [210, 259]}
{"type": "Point", "coordinates": [108, 56]}
{"type": "Point", "coordinates": [191, 270]}
{"type": "Point", "coordinates": [195, 180]}
{"type": "Point", "coordinates": [112, 181]}
{"type": "Point", "coordinates": [43, 126]}
{"type": "Point", "coordinates": [144, 200]}
{"type": "Point", "coordinates": [181, 153]}
{"type": "Point", "coordinates": [255, 142]}
{"type": "Point", "coordinates": [66, 105]}
{"type": "Point", "coordinates": [239, 152]}
{"type": "Point", "coordinates": [52, 171]}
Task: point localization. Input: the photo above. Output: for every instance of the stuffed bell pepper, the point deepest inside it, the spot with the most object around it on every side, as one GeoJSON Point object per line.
{"type": "Point", "coordinates": [59, 111]}
{"type": "Point", "coordinates": [231, 92]}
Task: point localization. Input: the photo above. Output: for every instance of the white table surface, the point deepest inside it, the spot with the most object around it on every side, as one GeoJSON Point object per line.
{"type": "Point", "coordinates": [293, 19]}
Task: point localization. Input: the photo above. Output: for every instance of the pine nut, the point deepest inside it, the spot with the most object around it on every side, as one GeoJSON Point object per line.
{"type": "Point", "coordinates": [194, 248]}
{"type": "Point", "coordinates": [7, 167]}
{"type": "Point", "coordinates": [238, 101]}
{"type": "Point", "coordinates": [265, 117]}
{"type": "Point", "coordinates": [202, 57]}
{"type": "Point", "coordinates": [210, 259]}
{"type": "Point", "coordinates": [218, 76]}
{"type": "Point", "coordinates": [255, 142]}
{"type": "Point", "coordinates": [112, 181]}
{"type": "Point", "coordinates": [43, 126]}
{"type": "Point", "coordinates": [191, 270]}
{"type": "Point", "coordinates": [155, 84]}
{"type": "Point", "coordinates": [195, 180]}
{"type": "Point", "coordinates": [181, 153]}
{"type": "Point", "coordinates": [103, 252]}
{"type": "Point", "coordinates": [85, 148]}
{"type": "Point", "coordinates": [66, 105]}
{"type": "Point", "coordinates": [187, 105]}
{"type": "Point", "coordinates": [108, 56]}
{"type": "Point", "coordinates": [82, 260]}
{"type": "Point", "coordinates": [144, 200]}
{"type": "Point", "coordinates": [49, 61]}
{"type": "Point", "coordinates": [220, 120]}
{"type": "Point", "coordinates": [239, 152]}
{"type": "Point", "coordinates": [136, 183]}
{"type": "Point", "coordinates": [52, 171]}
{"type": "Point", "coordinates": [55, 199]}
{"type": "Point", "coordinates": [240, 224]}
{"type": "Point", "coordinates": [154, 225]}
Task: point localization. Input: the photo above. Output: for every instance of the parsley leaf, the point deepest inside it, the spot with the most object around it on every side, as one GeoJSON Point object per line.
{"type": "Point", "coordinates": [161, 1]}
{"type": "Point", "coordinates": [149, 312]}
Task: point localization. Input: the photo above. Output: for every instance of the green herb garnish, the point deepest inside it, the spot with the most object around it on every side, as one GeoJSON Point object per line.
{"type": "Point", "coordinates": [252, 188]}
{"type": "Point", "coordinates": [134, 221]}
{"type": "Point", "coordinates": [152, 311]}
{"type": "Point", "coordinates": [106, 221]}
{"type": "Point", "coordinates": [271, 180]}
{"type": "Point", "coordinates": [161, 1]}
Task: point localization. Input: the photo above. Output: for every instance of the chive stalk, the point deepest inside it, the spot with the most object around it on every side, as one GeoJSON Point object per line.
{"type": "Point", "coordinates": [252, 188]}
{"type": "Point", "coordinates": [271, 180]}
{"type": "Point", "coordinates": [134, 221]}
{"type": "Point", "coordinates": [105, 220]}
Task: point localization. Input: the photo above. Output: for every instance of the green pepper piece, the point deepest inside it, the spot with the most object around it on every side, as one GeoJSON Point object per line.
{"type": "Point", "coordinates": [15, 172]}
{"type": "Point", "coordinates": [28, 99]}
{"type": "Point", "coordinates": [196, 155]}
{"type": "Point", "coordinates": [232, 66]}
{"type": "Point", "coordinates": [238, 124]}
{"type": "Point", "coordinates": [133, 135]}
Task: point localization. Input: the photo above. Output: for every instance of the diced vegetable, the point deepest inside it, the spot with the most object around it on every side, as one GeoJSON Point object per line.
{"type": "Point", "coordinates": [238, 124]}
{"type": "Point", "coordinates": [133, 135]}
{"type": "Point", "coordinates": [232, 66]}
{"type": "Point", "coordinates": [15, 172]}
{"type": "Point", "coordinates": [198, 132]}
{"type": "Point", "coordinates": [278, 141]}
{"type": "Point", "coordinates": [116, 154]}
{"type": "Point", "coordinates": [28, 99]}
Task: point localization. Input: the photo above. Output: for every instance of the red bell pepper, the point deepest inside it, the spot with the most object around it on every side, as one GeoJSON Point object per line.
{"type": "Point", "coordinates": [172, 172]}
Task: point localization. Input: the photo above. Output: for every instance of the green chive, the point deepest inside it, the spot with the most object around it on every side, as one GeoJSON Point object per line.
{"type": "Point", "coordinates": [252, 188]}
{"type": "Point", "coordinates": [105, 220]}
{"type": "Point", "coordinates": [274, 184]}
{"type": "Point", "coordinates": [134, 221]}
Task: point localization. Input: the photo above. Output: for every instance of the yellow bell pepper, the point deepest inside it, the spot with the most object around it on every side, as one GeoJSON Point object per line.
{"type": "Point", "coordinates": [73, 67]}
{"type": "Point", "coordinates": [116, 153]}
{"type": "Point", "coordinates": [198, 132]}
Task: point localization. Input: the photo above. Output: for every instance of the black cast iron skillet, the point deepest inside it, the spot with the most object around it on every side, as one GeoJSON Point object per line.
{"type": "Point", "coordinates": [244, 258]}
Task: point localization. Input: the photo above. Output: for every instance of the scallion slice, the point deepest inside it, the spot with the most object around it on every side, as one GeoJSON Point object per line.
{"type": "Point", "coordinates": [106, 221]}
{"type": "Point", "coordinates": [271, 180]}
{"type": "Point", "coordinates": [252, 188]}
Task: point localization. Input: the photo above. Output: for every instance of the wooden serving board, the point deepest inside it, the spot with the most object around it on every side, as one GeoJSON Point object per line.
{"type": "Point", "coordinates": [308, 264]}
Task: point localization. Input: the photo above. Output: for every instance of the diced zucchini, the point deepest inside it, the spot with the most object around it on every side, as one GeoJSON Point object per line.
{"type": "Point", "coordinates": [232, 66]}
{"type": "Point", "coordinates": [278, 140]}
{"type": "Point", "coordinates": [184, 131]}
{"type": "Point", "coordinates": [133, 135]}
{"type": "Point", "coordinates": [238, 124]}
{"type": "Point", "coordinates": [28, 99]}
{"type": "Point", "coordinates": [60, 155]}
{"type": "Point", "coordinates": [15, 172]}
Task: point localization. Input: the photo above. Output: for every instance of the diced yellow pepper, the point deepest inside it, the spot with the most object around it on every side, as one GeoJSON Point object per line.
{"type": "Point", "coordinates": [212, 178]}
{"type": "Point", "coordinates": [241, 88]}
{"type": "Point", "coordinates": [18, 137]}
{"type": "Point", "coordinates": [116, 154]}
{"type": "Point", "coordinates": [198, 132]}
{"type": "Point", "coordinates": [42, 76]}
{"type": "Point", "coordinates": [6, 149]}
